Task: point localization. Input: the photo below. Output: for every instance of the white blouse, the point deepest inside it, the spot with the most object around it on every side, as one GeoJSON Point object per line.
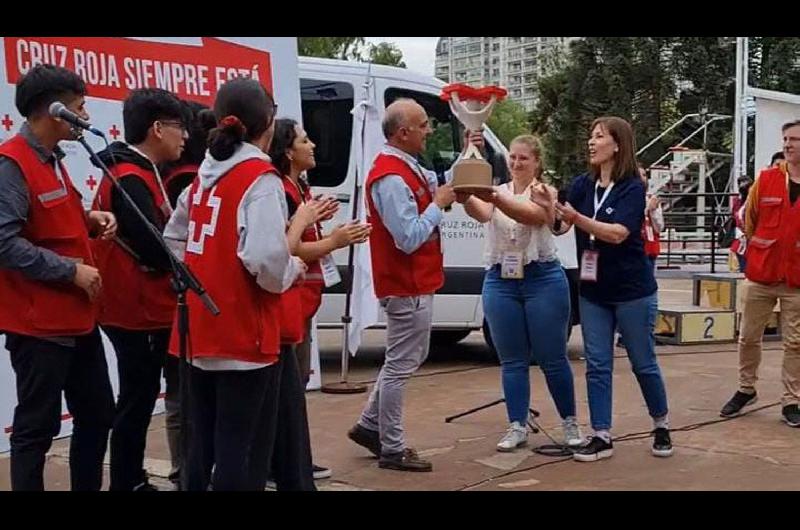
{"type": "Point", "coordinates": [537, 243]}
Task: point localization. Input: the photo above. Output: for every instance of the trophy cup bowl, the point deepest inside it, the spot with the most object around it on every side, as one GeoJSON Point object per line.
{"type": "Point", "coordinates": [472, 107]}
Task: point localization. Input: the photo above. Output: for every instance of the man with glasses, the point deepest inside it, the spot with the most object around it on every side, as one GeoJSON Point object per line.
{"type": "Point", "coordinates": [137, 303]}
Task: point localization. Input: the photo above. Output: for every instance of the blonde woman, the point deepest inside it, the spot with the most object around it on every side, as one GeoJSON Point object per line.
{"type": "Point", "coordinates": [525, 291]}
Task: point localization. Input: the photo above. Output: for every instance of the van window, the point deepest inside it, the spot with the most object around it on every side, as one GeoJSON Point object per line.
{"type": "Point", "coordinates": [444, 145]}
{"type": "Point", "coordinates": [329, 124]}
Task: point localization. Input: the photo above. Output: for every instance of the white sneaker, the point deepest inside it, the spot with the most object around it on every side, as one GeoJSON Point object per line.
{"type": "Point", "coordinates": [516, 436]}
{"type": "Point", "coordinates": [572, 433]}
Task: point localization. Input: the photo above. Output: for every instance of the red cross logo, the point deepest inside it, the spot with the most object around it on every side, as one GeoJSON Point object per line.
{"type": "Point", "coordinates": [7, 122]}
{"type": "Point", "coordinates": [114, 132]}
{"type": "Point", "coordinates": [91, 182]}
{"type": "Point", "coordinates": [202, 219]}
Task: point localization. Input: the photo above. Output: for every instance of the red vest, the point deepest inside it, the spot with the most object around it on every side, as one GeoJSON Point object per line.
{"type": "Point", "coordinates": [175, 185]}
{"type": "Point", "coordinates": [190, 169]}
{"type": "Point", "coordinates": [395, 273]}
{"type": "Point", "coordinates": [773, 253]}
{"type": "Point", "coordinates": [247, 328]}
{"type": "Point", "coordinates": [311, 288]}
{"type": "Point", "coordinates": [57, 222]}
{"type": "Point", "coordinates": [132, 298]}
{"type": "Point", "coordinates": [652, 247]}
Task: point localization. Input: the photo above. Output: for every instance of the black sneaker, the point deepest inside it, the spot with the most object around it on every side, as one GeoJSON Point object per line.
{"type": "Point", "coordinates": [596, 449]}
{"type": "Point", "coordinates": [321, 472]}
{"type": "Point", "coordinates": [791, 415]}
{"type": "Point", "coordinates": [408, 460]}
{"type": "Point", "coordinates": [662, 443]}
{"type": "Point", "coordinates": [737, 403]}
{"type": "Point", "coordinates": [367, 438]}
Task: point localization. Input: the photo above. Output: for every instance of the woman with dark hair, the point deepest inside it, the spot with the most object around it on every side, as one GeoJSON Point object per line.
{"type": "Point", "coordinates": [179, 174]}
{"type": "Point", "coordinates": [739, 243]}
{"type": "Point", "coordinates": [618, 288]}
{"type": "Point", "coordinates": [232, 219]}
{"type": "Point", "coordinates": [292, 152]}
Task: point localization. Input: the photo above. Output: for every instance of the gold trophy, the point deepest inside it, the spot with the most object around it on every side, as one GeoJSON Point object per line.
{"type": "Point", "coordinates": [472, 107]}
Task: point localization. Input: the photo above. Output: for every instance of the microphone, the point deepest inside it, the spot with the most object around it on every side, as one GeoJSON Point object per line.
{"type": "Point", "coordinates": [59, 110]}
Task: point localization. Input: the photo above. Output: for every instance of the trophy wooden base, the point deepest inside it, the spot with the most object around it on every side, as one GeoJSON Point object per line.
{"type": "Point", "coordinates": [472, 174]}
{"type": "Point", "coordinates": [472, 189]}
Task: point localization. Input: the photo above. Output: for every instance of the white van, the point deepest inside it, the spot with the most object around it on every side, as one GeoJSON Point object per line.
{"type": "Point", "coordinates": [329, 89]}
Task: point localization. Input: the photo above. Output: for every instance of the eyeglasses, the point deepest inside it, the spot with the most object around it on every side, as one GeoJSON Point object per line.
{"type": "Point", "coordinates": [174, 123]}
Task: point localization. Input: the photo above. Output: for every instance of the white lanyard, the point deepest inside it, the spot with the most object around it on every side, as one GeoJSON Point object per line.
{"type": "Point", "coordinates": [599, 203]}
{"type": "Point", "coordinates": [167, 205]}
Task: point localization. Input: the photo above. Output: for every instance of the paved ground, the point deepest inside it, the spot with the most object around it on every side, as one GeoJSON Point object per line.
{"type": "Point", "coordinates": [753, 452]}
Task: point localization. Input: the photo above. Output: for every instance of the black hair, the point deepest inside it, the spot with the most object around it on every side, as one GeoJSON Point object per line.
{"type": "Point", "coordinates": [44, 84]}
{"type": "Point", "coordinates": [201, 121]}
{"type": "Point", "coordinates": [777, 156]}
{"type": "Point", "coordinates": [285, 135]}
{"type": "Point", "coordinates": [145, 106]}
{"type": "Point", "coordinates": [252, 106]}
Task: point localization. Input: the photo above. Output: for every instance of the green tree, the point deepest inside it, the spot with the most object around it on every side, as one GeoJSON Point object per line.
{"type": "Point", "coordinates": [352, 49]}
{"type": "Point", "coordinates": [508, 120]}
{"type": "Point", "coordinates": [627, 77]}
{"type": "Point", "coordinates": [386, 53]}
{"type": "Point", "coordinates": [331, 47]}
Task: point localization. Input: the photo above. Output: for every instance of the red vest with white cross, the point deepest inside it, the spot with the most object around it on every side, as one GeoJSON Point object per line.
{"type": "Point", "coordinates": [57, 222]}
{"type": "Point", "coordinates": [773, 253]}
{"type": "Point", "coordinates": [133, 296]}
{"type": "Point", "coordinates": [395, 273]}
{"type": "Point", "coordinates": [247, 327]}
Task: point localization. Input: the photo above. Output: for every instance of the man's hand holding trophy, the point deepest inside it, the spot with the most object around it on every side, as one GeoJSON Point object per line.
{"type": "Point", "coordinates": [472, 175]}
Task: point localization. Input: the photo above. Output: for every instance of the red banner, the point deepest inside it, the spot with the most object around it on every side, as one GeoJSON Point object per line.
{"type": "Point", "coordinates": [113, 66]}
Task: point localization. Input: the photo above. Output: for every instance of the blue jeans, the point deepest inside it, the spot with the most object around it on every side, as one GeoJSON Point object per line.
{"type": "Point", "coordinates": [529, 317]}
{"type": "Point", "coordinates": [635, 320]}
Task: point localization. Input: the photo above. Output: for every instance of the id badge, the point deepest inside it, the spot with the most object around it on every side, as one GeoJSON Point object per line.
{"type": "Point", "coordinates": [330, 273]}
{"type": "Point", "coordinates": [648, 230]}
{"type": "Point", "coordinates": [511, 267]}
{"type": "Point", "coordinates": [589, 266]}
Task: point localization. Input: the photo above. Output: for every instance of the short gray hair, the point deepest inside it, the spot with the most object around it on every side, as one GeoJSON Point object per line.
{"type": "Point", "coordinates": [393, 120]}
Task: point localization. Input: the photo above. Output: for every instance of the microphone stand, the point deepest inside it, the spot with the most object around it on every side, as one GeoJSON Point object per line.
{"type": "Point", "coordinates": [182, 281]}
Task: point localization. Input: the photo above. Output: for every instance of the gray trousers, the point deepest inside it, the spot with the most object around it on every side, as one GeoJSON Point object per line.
{"type": "Point", "coordinates": [408, 332]}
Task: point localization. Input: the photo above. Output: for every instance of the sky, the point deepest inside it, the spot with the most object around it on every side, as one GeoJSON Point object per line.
{"type": "Point", "coordinates": [419, 53]}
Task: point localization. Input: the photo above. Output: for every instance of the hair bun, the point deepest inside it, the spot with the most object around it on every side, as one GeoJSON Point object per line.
{"type": "Point", "coordinates": [232, 122]}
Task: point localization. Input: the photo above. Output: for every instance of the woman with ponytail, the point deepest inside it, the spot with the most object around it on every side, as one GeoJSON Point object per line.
{"type": "Point", "coordinates": [231, 222]}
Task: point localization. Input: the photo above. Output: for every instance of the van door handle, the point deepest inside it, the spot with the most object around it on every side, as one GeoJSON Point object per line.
{"type": "Point", "coordinates": [343, 197]}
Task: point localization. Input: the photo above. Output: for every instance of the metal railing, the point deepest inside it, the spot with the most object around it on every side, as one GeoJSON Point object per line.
{"type": "Point", "coordinates": [685, 226]}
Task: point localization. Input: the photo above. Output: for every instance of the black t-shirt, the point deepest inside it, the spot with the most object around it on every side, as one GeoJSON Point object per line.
{"type": "Point", "coordinates": [794, 191]}
{"type": "Point", "coordinates": [624, 272]}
